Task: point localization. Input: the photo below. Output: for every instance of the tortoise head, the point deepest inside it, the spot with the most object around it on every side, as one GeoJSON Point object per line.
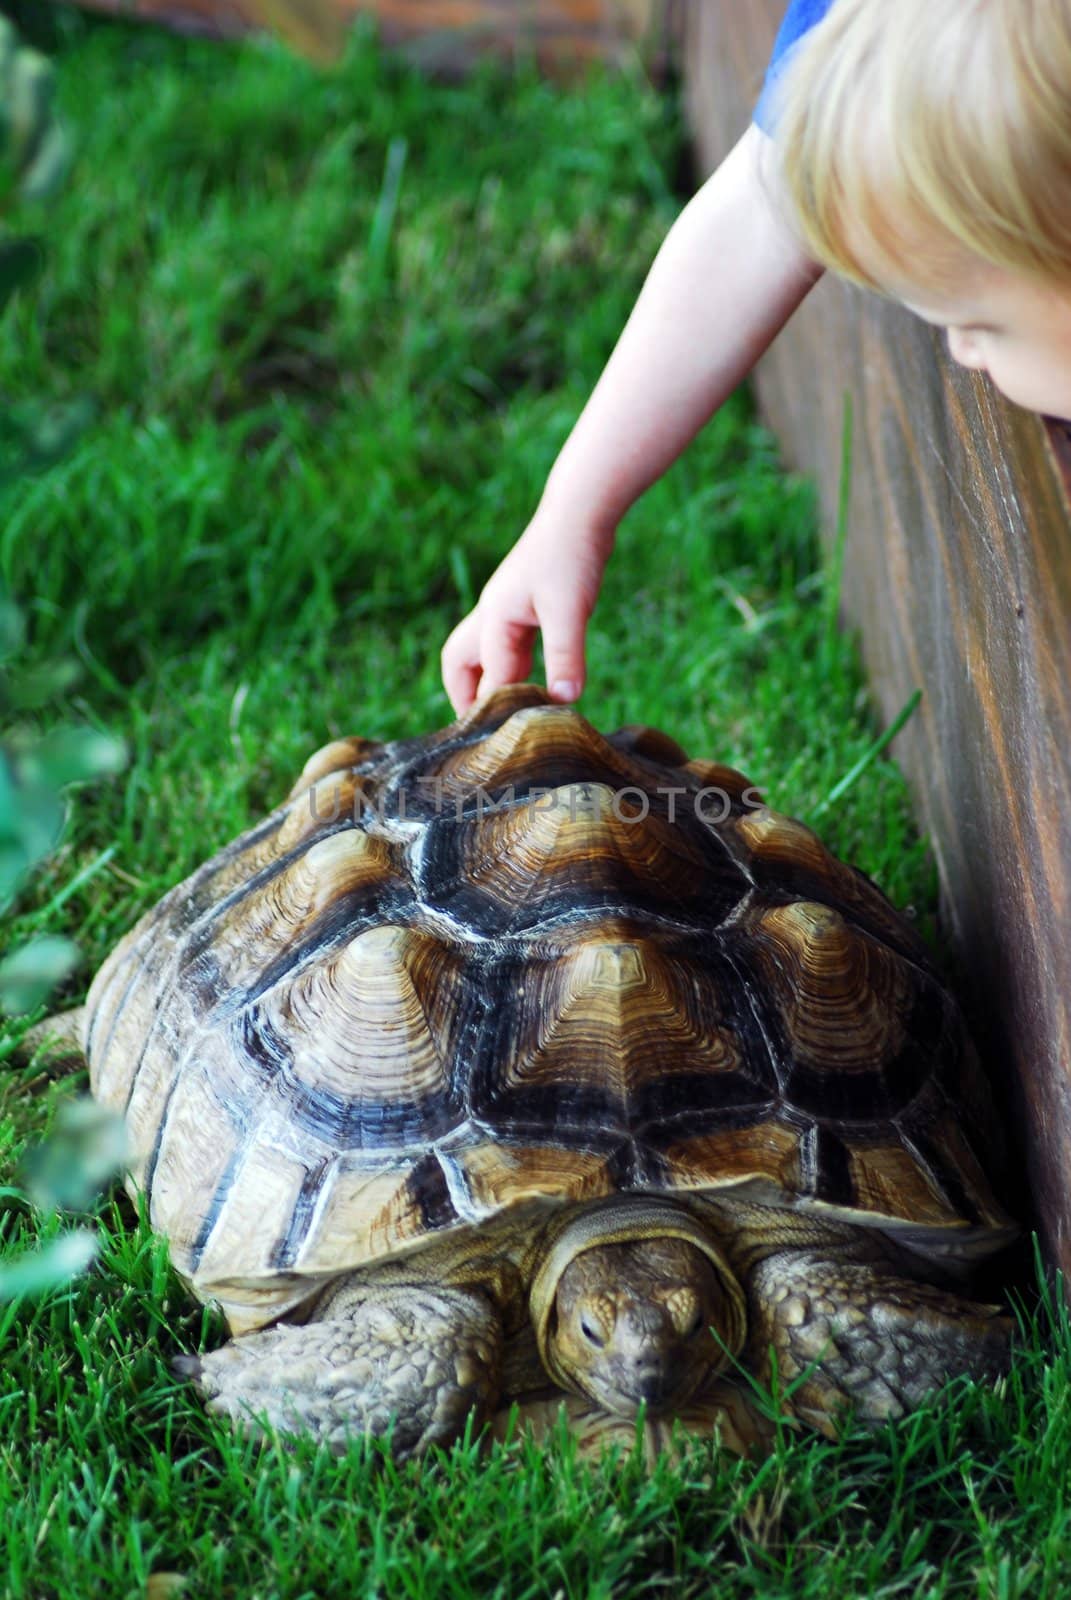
{"type": "Point", "coordinates": [628, 1303]}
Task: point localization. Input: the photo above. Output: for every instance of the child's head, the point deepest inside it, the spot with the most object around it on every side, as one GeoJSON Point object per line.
{"type": "Point", "coordinates": [926, 145]}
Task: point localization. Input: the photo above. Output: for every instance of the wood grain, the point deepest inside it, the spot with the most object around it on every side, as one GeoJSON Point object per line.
{"type": "Point", "coordinates": [445, 36]}
{"type": "Point", "coordinates": [958, 573]}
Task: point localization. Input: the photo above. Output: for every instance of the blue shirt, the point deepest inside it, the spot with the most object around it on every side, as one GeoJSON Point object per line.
{"type": "Point", "coordinates": [800, 16]}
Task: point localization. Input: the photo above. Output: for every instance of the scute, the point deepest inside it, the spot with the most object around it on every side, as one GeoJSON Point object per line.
{"type": "Point", "coordinates": [576, 849]}
{"type": "Point", "coordinates": [516, 964]}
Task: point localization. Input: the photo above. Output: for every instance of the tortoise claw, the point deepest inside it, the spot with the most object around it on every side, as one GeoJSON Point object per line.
{"type": "Point", "coordinates": [188, 1367]}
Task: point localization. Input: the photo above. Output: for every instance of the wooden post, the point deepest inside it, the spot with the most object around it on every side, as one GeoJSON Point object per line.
{"type": "Point", "coordinates": [958, 574]}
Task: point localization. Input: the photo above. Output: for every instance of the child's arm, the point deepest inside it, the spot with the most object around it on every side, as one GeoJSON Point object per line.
{"type": "Point", "coordinates": [728, 276]}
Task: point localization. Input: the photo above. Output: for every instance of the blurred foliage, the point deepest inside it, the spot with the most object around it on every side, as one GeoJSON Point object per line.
{"type": "Point", "coordinates": [63, 1172]}
{"type": "Point", "coordinates": [33, 146]}
{"type": "Point", "coordinates": [67, 1170]}
{"type": "Point", "coordinates": [49, 1266]}
{"type": "Point", "coordinates": [34, 768]}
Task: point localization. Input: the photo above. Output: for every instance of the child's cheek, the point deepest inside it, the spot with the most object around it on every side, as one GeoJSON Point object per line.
{"type": "Point", "coordinates": [1030, 380]}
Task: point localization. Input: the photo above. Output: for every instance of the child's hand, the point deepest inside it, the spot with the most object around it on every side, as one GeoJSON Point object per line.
{"type": "Point", "coordinates": [549, 581]}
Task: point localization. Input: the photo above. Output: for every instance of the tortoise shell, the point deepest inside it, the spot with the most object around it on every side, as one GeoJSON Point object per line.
{"type": "Point", "coordinates": [517, 963]}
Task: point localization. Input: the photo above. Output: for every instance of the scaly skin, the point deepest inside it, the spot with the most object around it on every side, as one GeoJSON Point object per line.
{"type": "Point", "coordinates": [411, 1357]}
{"type": "Point", "coordinates": [874, 1342]}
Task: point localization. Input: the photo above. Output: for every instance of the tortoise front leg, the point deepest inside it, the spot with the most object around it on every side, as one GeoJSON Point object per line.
{"type": "Point", "coordinates": [418, 1357]}
{"type": "Point", "coordinates": [879, 1343]}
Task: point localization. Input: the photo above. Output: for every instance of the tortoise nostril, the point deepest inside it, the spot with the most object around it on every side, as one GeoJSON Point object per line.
{"type": "Point", "coordinates": [652, 1387]}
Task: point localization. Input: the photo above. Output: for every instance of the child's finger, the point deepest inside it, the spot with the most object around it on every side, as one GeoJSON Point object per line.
{"type": "Point", "coordinates": [563, 651]}
{"type": "Point", "coordinates": [464, 688]}
{"type": "Point", "coordinates": [506, 653]}
{"type": "Point", "coordinates": [460, 664]}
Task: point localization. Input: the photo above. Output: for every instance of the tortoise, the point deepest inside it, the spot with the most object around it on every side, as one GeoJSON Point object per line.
{"type": "Point", "coordinates": [519, 1065]}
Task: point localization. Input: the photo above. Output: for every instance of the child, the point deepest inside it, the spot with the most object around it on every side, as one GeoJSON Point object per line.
{"type": "Point", "coordinates": [921, 148]}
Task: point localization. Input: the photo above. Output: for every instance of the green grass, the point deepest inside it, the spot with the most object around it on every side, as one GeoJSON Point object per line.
{"type": "Point", "coordinates": [326, 403]}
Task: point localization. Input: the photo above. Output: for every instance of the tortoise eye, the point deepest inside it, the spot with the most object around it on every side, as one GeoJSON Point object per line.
{"type": "Point", "coordinates": [592, 1335]}
{"type": "Point", "coordinates": [699, 1323]}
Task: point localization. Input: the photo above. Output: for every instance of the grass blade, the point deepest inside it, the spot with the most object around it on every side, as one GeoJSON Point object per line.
{"type": "Point", "coordinates": [870, 754]}
{"type": "Point", "coordinates": [382, 226]}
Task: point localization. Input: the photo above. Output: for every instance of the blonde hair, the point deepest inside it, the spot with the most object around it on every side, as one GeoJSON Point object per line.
{"type": "Point", "coordinates": [913, 132]}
